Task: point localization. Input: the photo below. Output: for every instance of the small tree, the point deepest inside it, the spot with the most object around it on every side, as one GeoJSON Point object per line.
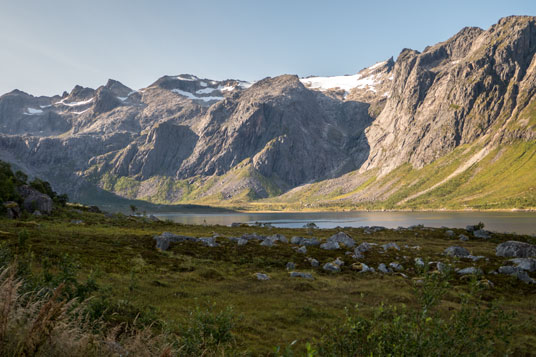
{"type": "Point", "coordinates": [133, 209]}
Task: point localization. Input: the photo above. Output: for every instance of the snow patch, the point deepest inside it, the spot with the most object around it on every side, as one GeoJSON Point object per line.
{"type": "Point", "coordinates": [193, 97]}
{"type": "Point", "coordinates": [33, 111]}
{"type": "Point", "coordinates": [75, 104]}
{"type": "Point", "coordinates": [206, 90]}
{"type": "Point", "coordinates": [345, 83]}
{"type": "Point", "coordinates": [83, 111]}
{"type": "Point", "coordinates": [203, 84]}
{"type": "Point", "coordinates": [194, 78]}
{"type": "Point", "coordinates": [377, 65]}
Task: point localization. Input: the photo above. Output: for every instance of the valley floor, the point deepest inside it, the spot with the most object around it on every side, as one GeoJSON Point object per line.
{"type": "Point", "coordinates": [119, 253]}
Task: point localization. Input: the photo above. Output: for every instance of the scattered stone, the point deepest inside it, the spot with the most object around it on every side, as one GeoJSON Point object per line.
{"type": "Point", "coordinates": [463, 238]}
{"type": "Point", "coordinates": [208, 241]}
{"type": "Point", "coordinates": [357, 254]}
{"type": "Point", "coordinates": [314, 262]}
{"type": "Point", "coordinates": [383, 268]}
{"type": "Point", "coordinates": [302, 249]}
{"type": "Point", "coordinates": [456, 251]}
{"type": "Point", "coordinates": [267, 243]}
{"type": "Point", "coordinates": [242, 241]}
{"type": "Point", "coordinates": [390, 246]}
{"type": "Point", "coordinates": [507, 269]}
{"type": "Point", "coordinates": [278, 238]}
{"type": "Point", "coordinates": [253, 236]}
{"type": "Point", "coordinates": [396, 267]}
{"type": "Point", "coordinates": [419, 262]}
{"type": "Point", "coordinates": [450, 233]}
{"type": "Point", "coordinates": [331, 267]}
{"type": "Point", "coordinates": [363, 247]}
{"type": "Point", "coordinates": [485, 283]}
{"type": "Point", "coordinates": [472, 228]}
{"type": "Point", "coordinates": [470, 271]}
{"type": "Point", "coordinates": [480, 233]}
{"type": "Point", "coordinates": [165, 239]}
{"type": "Point", "coordinates": [297, 274]}
{"type": "Point", "coordinates": [296, 240]}
{"type": "Point", "coordinates": [73, 221]}
{"type": "Point", "coordinates": [152, 217]}
{"type": "Point", "coordinates": [515, 249]}
{"type": "Point", "coordinates": [330, 245]}
{"type": "Point", "coordinates": [37, 213]}
{"type": "Point", "coordinates": [524, 277]}
{"type": "Point", "coordinates": [291, 266]}
{"type": "Point", "coordinates": [442, 267]}
{"type": "Point", "coordinates": [309, 242]}
{"type": "Point", "coordinates": [261, 276]}
{"type": "Point", "coordinates": [365, 268]}
{"type": "Point", "coordinates": [527, 264]}
{"type": "Point", "coordinates": [236, 224]}
{"type": "Point", "coordinates": [475, 258]}
{"type": "Point", "coordinates": [342, 238]}
{"type": "Point", "coordinates": [338, 262]}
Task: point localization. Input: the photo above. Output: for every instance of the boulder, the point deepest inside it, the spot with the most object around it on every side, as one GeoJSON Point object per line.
{"type": "Point", "coordinates": [302, 249]}
{"type": "Point", "coordinates": [419, 262]}
{"type": "Point", "coordinates": [334, 268]}
{"type": "Point", "coordinates": [450, 233]}
{"type": "Point", "coordinates": [330, 245]}
{"type": "Point", "coordinates": [309, 242]}
{"type": "Point", "coordinates": [383, 268]}
{"type": "Point", "coordinates": [34, 200]}
{"type": "Point", "coordinates": [442, 267]}
{"type": "Point", "coordinates": [480, 233]}
{"type": "Point", "coordinates": [314, 262]}
{"type": "Point", "coordinates": [470, 271]}
{"type": "Point", "coordinates": [310, 225]}
{"type": "Point", "coordinates": [267, 242]}
{"type": "Point", "coordinates": [463, 238]}
{"type": "Point", "coordinates": [296, 240]}
{"type": "Point", "coordinates": [297, 274]}
{"type": "Point", "coordinates": [515, 249]}
{"type": "Point", "coordinates": [527, 264]}
{"type": "Point", "coordinates": [208, 241]}
{"type": "Point", "coordinates": [342, 238]}
{"type": "Point", "coordinates": [456, 251]}
{"type": "Point", "coordinates": [12, 209]}
{"type": "Point", "coordinates": [363, 247]}
{"type": "Point", "coordinates": [291, 266]}
{"type": "Point", "coordinates": [262, 277]}
{"type": "Point", "coordinates": [395, 266]}
{"type": "Point", "coordinates": [278, 238]}
{"type": "Point", "coordinates": [165, 239]}
{"type": "Point", "coordinates": [362, 268]}
{"type": "Point", "coordinates": [338, 262]}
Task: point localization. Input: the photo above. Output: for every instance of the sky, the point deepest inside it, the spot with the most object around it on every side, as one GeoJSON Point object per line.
{"type": "Point", "coordinates": [50, 46]}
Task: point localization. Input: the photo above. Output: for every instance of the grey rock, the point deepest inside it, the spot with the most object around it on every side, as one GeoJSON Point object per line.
{"type": "Point", "coordinates": [242, 241]}
{"type": "Point", "coordinates": [391, 245]}
{"type": "Point", "coordinates": [463, 238]}
{"type": "Point", "coordinates": [330, 245]}
{"type": "Point", "coordinates": [396, 266]}
{"type": "Point", "coordinates": [383, 268]}
{"type": "Point", "coordinates": [363, 248]}
{"type": "Point", "coordinates": [267, 243]}
{"type": "Point", "coordinates": [291, 266]}
{"type": "Point", "coordinates": [74, 221]}
{"type": "Point", "coordinates": [208, 241]}
{"type": "Point", "coordinates": [419, 262]}
{"type": "Point", "coordinates": [331, 267]}
{"type": "Point", "coordinates": [480, 233]}
{"type": "Point", "coordinates": [309, 242]}
{"type": "Point", "coordinates": [507, 269]}
{"type": "Point", "coordinates": [314, 262]}
{"type": "Point", "coordinates": [296, 240]}
{"type": "Point", "coordinates": [442, 267]}
{"type": "Point", "coordinates": [38, 213]}
{"type": "Point", "coordinates": [472, 228]}
{"type": "Point", "coordinates": [342, 238]}
{"type": "Point", "coordinates": [310, 225]}
{"type": "Point", "coordinates": [302, 250]}
{"type": "Point", "coordinates": [297, 274]}
{"type": "Point", "coordinates": [524, 277]}
{"type": "Point", "coordinates": [154, 218]}
{"type": "Point", "coordinates": [278, 238]}
{"type": "Point", "coordinates": [470, 271]}
{"type": "Point", "coordinates": [34, 200]}
{"type": "Point", "coordinates": [527, 264]}
{"type": "Point", "coordinates": [338, 262]}
{"type": "Point", "coordinates": [166, 238]}
{"type": "Point", "coordinates": [366, 269]}
{"type": "Point", "coordinates": [450, 233]}
{"type": "Point", "coordinates": [475, 258]}
{"type": "Point", "coordinates": [262, 277]}
{"type": "Point", "coordinates": [515, 249]}
{"type": "Point", "coordinates": [456, 251]}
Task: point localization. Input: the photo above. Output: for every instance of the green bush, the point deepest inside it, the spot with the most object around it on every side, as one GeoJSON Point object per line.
{"type": "Point", "coordinates": [475, 328]}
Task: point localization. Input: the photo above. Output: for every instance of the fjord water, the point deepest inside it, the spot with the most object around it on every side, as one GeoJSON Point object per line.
{"type": "Point", "coordinates": [504, 222]}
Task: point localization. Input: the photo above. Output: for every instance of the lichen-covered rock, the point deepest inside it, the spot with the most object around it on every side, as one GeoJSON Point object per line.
{"type": "Point", "coordinates": [527, 264]}
{"type": "Point", "coordinates": [515, 249]}
{"type": "Point", "coordinates": [456, 251]}
{"type": "Point", "coordinates": [34, 200]}
{"type": "Point", "coordinates": [342, 238]}
{"type": "Point", "coordinates": [12, 209]}
{"type": "Point", "coordinates": [296, 240]}
{"type": "Point", "coordinates": [310, 242]}
{"type": "Point", "coordinates": [334, 268]}
{"type": "Point", "coordinates": [330, 245]}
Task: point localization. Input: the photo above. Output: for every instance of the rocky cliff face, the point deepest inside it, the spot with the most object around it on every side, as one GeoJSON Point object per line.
{"type": "Point", "coordinates": [184, 138]}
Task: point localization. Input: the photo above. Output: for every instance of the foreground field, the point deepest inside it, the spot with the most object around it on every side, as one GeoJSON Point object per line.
{"type": "Point", "coordinates": [115, 259]}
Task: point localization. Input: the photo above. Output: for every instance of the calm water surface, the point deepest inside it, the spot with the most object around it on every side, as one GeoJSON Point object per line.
{"type": "Point", "coordinates": [516, 222]}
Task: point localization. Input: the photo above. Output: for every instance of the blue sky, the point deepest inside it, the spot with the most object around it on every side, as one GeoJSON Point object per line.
{"type": "Point", "coordinates": [49, 46]}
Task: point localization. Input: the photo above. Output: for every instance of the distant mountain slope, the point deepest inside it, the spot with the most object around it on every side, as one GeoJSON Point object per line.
{"type": "Point", "coordinates": [451, 127]}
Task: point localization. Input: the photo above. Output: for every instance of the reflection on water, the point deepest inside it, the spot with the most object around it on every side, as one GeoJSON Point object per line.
{"type": "Point", "coordinates": [518, 222]}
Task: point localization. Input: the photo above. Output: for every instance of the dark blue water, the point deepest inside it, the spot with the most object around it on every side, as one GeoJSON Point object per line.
{"type": "Point", "coordinates": [515, 222]}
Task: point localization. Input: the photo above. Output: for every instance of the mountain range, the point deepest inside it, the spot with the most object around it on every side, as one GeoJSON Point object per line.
{"type": "Point", "coordinates": [451, 127]}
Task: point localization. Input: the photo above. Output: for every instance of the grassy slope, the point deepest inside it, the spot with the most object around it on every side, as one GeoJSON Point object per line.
{"type": "Point", "coordinates": [272, 313]}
